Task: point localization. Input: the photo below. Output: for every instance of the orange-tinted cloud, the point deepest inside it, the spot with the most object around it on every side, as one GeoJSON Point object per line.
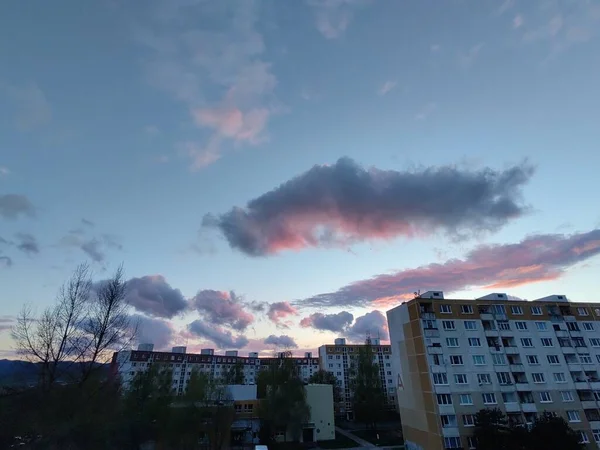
{"type": "Point", "coordinates": [534, 259]}
{"type": "Point", "coordinates": [344, 203]}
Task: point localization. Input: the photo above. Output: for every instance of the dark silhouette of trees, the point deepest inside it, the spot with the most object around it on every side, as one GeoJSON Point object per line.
{"type": "Point", "coordinates": [368, 397]}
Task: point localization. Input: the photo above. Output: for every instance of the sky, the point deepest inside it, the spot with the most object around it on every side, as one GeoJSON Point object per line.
{"type": "Point", "coordinates": [274, 174]}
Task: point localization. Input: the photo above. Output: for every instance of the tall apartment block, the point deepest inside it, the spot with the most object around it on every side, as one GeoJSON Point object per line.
{"type": "Point", "coordinates": [128, 363]}
{"type": "Point", "coordinates": [452, 358]}
{"type": "Point", "coordinates": [339, 358]}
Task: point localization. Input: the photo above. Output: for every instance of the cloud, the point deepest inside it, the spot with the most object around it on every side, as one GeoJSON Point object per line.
{"type": "Point", "coordinates": [534, 259]}
{"type": "Point", "coordinates": [94, 247]}
{"type": "Point", "coordinates": [33, 109]}
{"type": "Point", "coordinates": [190, 57]}
{"type": "Point", "coordinates": [328, 322]}
{"type": "Point", "coordinates": [467, 59]}
{"type": "Point", "coordinates": [6, 322]}
{"type": "Point", "coordinates": [282, 341]}
{"type": "Point", "coordinates": [5, 261]}
{"type": "Point", "coordinates": [280, 310]}
{"type": "Point", "coordinates": [345, 203]}
{"type": "Point", "coordinates": [426, 110]}
{"type": "Point", "coordinates": [27, 243]}
{"type": "Point", "coordinates": [221, 337]}
{"type": "Point", "coordinates": [4, 171]}
{"type": "Point", "coordinates": [518, 21]}
{"type": "Point", "coordinates": [222, 308]}
{"type": "Point", "coordinates": [334, 16]}
{"type": "Point", "coordinates": [386, 87]}
{"type": "Point", "coordinates": [373, 324]}
{"type": "Point", "coordinates": [14, 205]}
{"type": "Point", "coordinates": [154, 331]}
{"type": "Point", "coordinates": [87, 223]}
{"type": "Point", "coordinates": [152, 295]}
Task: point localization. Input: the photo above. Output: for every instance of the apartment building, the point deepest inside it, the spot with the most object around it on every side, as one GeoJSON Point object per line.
{"type": "Point", "coordinates": [339, 359]}
{"type": "Point", "coordinates": [128, 363]}
{"type": "Point", "coordinates": [453, 357]}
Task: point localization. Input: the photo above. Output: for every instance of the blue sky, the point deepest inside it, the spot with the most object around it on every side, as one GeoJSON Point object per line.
{"type": "Point", "coordinates": [128, 133]}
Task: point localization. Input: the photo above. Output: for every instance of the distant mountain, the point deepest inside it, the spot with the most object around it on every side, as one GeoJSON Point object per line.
{"type": "Point", "coordinates": [15, 372]}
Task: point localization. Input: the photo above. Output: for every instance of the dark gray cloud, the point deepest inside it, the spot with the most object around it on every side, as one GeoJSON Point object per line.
{"type": "Point", "coordinates": [152, 295]}
{"type": "Point", "coordinates": [536, 258]}
{"type": "Point", "coordinates": [153, 331]}
{"type": "Point", "coordinates": [6, 322]}
{"type": "Point", "coordinates": [27, 243]}
{"type": "Point", "coordinates": [87, 223]}
{"type": "Point", "coordinates": [328, 322]}
{"type": "Point", "coordinates": [222, 308]}
{"type": "Point", "coordinates": [344, 203]}
{"type": "Point", "coordinates": [282, 341]}
{"type": "Point", "coordinates": [94, 247]}
{"type": "Point", "coordinates": [14, 205]}
{"type": "Point", "coordinates": [5, 261]}
{"type": "Point", "coordinates": [221, 337]}
{"type": "Point", "coordinates": [373, 324]}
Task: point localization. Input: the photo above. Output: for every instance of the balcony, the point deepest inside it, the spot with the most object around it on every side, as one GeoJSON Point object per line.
{"type": "Point", "coordinates": [516, 368]}
{"type": "Point", "coordinates": [512, 407]}
{"type": "Point", "coordinates": [589, 404]}
{"type": "Point", "coordinates": [562, 333]}
{"type": "Point", "coordinates": [486, 316]}
{"type": "Point", "coordinates": [523, 387]}
{"type": "Point", "coordinates": [511, 350]}
{"type": "Point", "coordinates": [427, 315]}
{"type": "Point", "coordinates": [568, 350]}
{"type": "Point", "coordinates": [431, 332]}
{"type": "Point", "coordinates": [575, 366]}
{"type": "Point", "coordinates": [581, 385]}
{"type": "Point", "coordinates": [435, 350]}
{"type": "Point", "coordinates": [528, 407]}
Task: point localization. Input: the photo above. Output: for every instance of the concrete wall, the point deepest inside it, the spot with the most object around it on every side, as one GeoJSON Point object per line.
{"type": "Point", "coordinates": [320, 399]}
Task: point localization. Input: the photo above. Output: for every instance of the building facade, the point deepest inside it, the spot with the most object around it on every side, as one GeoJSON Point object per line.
{"type": "Point", "coordinates": [340, 358]}
{"type": "Point", "coordinates": [452, 358]}
{"type": "Point", "coordinates": [217, 367]}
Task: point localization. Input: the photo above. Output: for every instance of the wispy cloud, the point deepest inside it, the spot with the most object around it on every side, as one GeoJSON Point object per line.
{"type": "Point", "coordinates": [32, 107]}
{"type": "Point", "coordinates": [188, 62]}
{"type": "Point", "coordinates": [534, 259]}
{"type": "Point", "coordinates": [466, 59]}
{"type": "Point", "coordinates": [27, 243]}
{"type": "Point", "coordinates": [386, 87]}
{"type": "Point", "coordinates": [334, 16]}
{"type": "Point", "coordinates": [518, 21]}
{"type": "Point", "coordinates": [280, 310]}
{"type": "Point", "coordinates": [4, 171]}
{"type": "Point", "coordinates": [426, 110]}
{"type": "Point", "coordinates": [344, 203]}
{"type": "Point", "coordinates": [95, 246]}
{"type": "Point", "coordinates": [5, 261]}
{"type": "Point", "coordinates": [14, 205]}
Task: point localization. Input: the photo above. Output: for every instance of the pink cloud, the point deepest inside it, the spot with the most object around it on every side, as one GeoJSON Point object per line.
{"type": "Point", "coordinates": [234, 124]}
{"type": "Point", "coordinates": [280, 310]}
{"type": "Point", "coordinates": [534, 259]}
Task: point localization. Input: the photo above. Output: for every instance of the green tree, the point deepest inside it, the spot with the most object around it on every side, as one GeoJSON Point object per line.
{"type": "Point", "coordinates": [491, 430]}
{"type": "Point", "coordinates": [553, 432]}
{"type": "Point", "coordinates": [368, 398]}
{"type": "Point", "coordinates": [283, 406]}
{"type": "Point", "coordinates": [235, 374]}
{"type": "Point", "coordinates": [325, 377]}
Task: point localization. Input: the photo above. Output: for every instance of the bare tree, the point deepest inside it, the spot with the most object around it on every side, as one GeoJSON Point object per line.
{"type": "Point", "coordinates": [54, 337]}
{"type": "Point", "coordinates": [108, 326]}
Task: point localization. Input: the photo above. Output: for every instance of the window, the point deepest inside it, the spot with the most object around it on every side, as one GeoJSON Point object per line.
{"type": "Point", "coordinates": [440, 379]}
{"type": "Point", "coordinates": [521, 326]}
{"type": "Point", "coordinates": [479, 360]}
{"type": "Point", "coordinates": [509, 397]}
{"type": "Point", "coordinates": [452, 342]}
{"type": "Point", "coordinates": [572, 326]}
{"type": "Point", "coordinates": [595, 342]}
{"type": "Point", "coordinates": [498, 359]}
{"type": "Point", "coordinates": [526, 342]}
{"type": "Point", "coordinates": [579, 342]}
{"type": "Point", "coordinates": [452, 442]}
{"type": "Point", "coordinates": [466, 309]}
{"type": "Point", "coordinates": [461, 378]}
{"type": "Point", "coordinates": [446, 309]}
{"type": "Point", "coordinates": [532, 360]}
{"type": "Point", "coordinates": [588, 326]}
{"type": "Point", "coordinates": [436, 360]}
{"type": "Point", "coordinates": [596, 434]}
{"type": "Point", "coordinates": [448, 420]}
{"type": "Point", "coordinates": [536, 310]}
{"type": "Point", "coordinates": [583, 439]}
{"type": "Point", "coordinates": [567, 396]}
{"type": "Point", "coordinates": [517, 310]}
{"type": "Point", "coordinates": [472, 442]}
{"type": "Point", "coordinates": [448, 325]}
{"type": "Point", "coordinates": [466, 399]}
{"type": "Point", "coordinates": [538, 377]}
{"type": "Point", "coordinates": [470, 325]}
{"type": "Point", "coordinates": [559, 377]}
{"type": "Point", "coordinates": [468, 420]}
{"type": "Point", "coordinates": [499, 309]}
{"type": "Point", "coordinates": [474, 342]}
{"type": "Point", "coordinates": [484, 378]}
{"type": "Point", "coordinates": [585, 358]}
{"type": "Point", "coordinates": [456, 360]}
{"type": "Point", "coordinates": [545, 397]}
{"type": "Point", "coordinates": [553, 359]}
{"type": "Point", "coordinates": [547, 342]}
{"type": "Point", "coordinates": [504, 378]}
{"type": "Point", "coordinates": [444, 399]}
{"type": "Point", "coordinates": [573, 416]}
{"type": "Point", "coordinates": [489, 398]}
{"type": "Point", "coordinates": [541, 326]}
{"type": "Point", "coordinates": [583, 311]}
{"type": "Point", "coordinates": [503, 325]}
